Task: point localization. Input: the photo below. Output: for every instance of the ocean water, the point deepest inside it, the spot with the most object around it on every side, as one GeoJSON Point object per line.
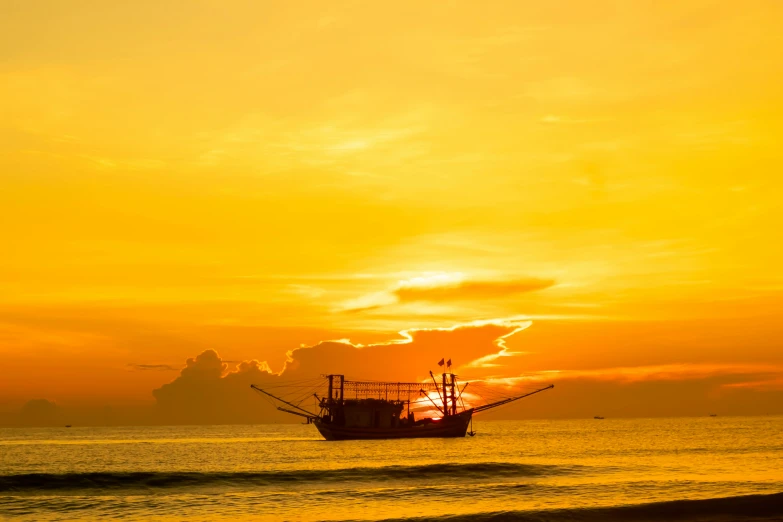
{"type": "Point", "coordinates": [711, 468]}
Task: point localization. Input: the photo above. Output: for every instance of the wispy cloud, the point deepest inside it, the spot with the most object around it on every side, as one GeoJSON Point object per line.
{"type": "Point", "coordinates": [667, 372]}
{"type": "Point", "coordinates": [154, 367]}
{"type": "Point", "coordinates": [757, 385]}
{"type": "Point", "coordinates": [471, 290]}
{"type": "Point", "coordinates": [444, 287]}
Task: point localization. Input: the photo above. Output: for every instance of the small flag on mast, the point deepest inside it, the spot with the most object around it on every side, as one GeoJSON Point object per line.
{"type": "Point", "coordinates": [448, 363]}
{"type": "Point", "coordinates": [440, 363]}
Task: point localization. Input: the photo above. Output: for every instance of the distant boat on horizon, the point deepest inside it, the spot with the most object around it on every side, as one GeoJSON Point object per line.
{"type": "Point", "coordinates": [67, 425]}
{"type": "Point", "coordinates": [377, 410]}
{"type": "Point", "coordinates": [713, 414]}
{"type": "Point", "coordinates": [598, 417]}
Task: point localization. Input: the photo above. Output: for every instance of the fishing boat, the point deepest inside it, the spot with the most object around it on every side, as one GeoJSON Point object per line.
{"type": "Point", "coordinates": [361, 410]}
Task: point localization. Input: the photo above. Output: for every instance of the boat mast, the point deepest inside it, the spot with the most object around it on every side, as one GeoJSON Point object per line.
{"type": "Point", "coordinates": [445, 396]}
{"type": "Point", "coordinates": [335, 396]}
{"type": "Point", "coordinates": [437, 389]}
{"type": "Point", "coordinates": [453, 395]}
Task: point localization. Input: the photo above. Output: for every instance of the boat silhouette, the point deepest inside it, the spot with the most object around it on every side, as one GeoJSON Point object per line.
{"type": "Point", "coordinates": [382, 410]}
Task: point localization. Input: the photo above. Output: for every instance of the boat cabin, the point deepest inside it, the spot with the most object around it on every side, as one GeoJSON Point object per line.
{"type": "Point", "coordinates": [372, 413]}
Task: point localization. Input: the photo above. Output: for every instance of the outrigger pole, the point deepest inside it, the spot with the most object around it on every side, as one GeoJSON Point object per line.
{"type": "Point", "coordinates": [430, 398]}
{"type": "Point", "coordinates": [512, 399]}
{"type": "Point", "coordinates": [309, 415]}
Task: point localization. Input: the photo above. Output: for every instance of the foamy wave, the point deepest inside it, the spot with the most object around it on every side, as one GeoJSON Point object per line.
{"type": "Point", "coordinates": [32, 482]}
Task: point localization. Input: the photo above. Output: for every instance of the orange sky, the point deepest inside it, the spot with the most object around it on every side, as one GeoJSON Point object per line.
{"type": "Point", "coordinates": [254, 177]}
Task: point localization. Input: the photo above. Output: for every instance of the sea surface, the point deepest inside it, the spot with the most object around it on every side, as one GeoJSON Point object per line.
{"type": "Point", "coordinates": [711, 468]}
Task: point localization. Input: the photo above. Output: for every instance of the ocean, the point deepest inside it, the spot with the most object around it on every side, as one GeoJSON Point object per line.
{"type": "Point", "coordinates": [711, 468]}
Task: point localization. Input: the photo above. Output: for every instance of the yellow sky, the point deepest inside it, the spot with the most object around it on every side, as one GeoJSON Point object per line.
{"type": "Point", "coordinates": [252, 177]}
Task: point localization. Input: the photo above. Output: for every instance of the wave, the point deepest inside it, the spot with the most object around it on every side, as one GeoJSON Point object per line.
{"type": "Point", "coordinates": [755, 507]}
{"type": "Point", "coordinates": [31, 482]}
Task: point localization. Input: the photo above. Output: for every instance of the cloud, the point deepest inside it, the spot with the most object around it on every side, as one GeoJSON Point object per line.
{"type": "Point", "coordinates": [409, 357]}
{"type": "Point", "coordinates": [206, 391]}
{"type": "Point", "coordinates": [662, 372]}
{"type": "Point", "coordinates": [213, 390]}
{"type": "Point", "coordinates": [466, 290]}
{"type": "Point", "coordinates": [369, 302]}
{"type": "Point", "coordinates": [444, 288]}
{"type": "Point", "coordinates": [156, 367]}
{"type": "Point", "coordinates": [644, 398]}
{"type": "Point", "coordinates": [41, 412]}
{"type": "Point", "coordinates": [649, 391]}
{"type": "Point", "coordinates": [775, 384]}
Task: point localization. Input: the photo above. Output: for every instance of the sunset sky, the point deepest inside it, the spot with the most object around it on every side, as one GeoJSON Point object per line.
{"type": "Point", "coordinates": [584, 193]}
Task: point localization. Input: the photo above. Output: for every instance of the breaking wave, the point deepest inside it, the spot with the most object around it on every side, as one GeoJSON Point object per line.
{"type": "Point", "coordinates": [746, 507]}
{"type": "Point", "coordinates": [32, 482]}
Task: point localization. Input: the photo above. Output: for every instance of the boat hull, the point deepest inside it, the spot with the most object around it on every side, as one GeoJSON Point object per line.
{"type": "Point", "coordinates": [451, 426]}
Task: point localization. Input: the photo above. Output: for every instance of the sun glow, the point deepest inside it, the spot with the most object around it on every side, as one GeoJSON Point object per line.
{"type": "Point", "coordinates": [434, 280]}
